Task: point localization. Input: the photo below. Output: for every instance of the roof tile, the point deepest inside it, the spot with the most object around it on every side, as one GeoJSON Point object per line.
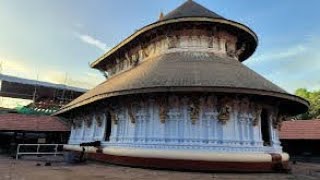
{"type": "Point", "coordinates": [300, 129]}
{"type": "Point", "coordinates": [21, 122]}
{"type": "Point", "coordinates": [180, 69]}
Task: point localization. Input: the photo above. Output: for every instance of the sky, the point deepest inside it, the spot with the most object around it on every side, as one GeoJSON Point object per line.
{"type": "Point", "coordinates": [56, 40]}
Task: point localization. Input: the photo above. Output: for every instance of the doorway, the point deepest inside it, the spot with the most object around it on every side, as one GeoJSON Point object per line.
{"type": "Point", "coordinates": [265, 128]}
{"type": "Point", "coordinates": [108, 127]}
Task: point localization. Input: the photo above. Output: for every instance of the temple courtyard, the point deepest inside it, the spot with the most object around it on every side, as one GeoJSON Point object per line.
{"type": "Point", "coordinates": [27, 169]}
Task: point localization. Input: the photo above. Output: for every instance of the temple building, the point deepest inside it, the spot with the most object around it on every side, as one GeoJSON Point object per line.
{"type": "Point", "coordinates": [178, 97]}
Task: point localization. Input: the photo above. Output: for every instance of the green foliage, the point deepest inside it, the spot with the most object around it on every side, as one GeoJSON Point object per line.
{"type": "Point", "coordinates": [314, 98]}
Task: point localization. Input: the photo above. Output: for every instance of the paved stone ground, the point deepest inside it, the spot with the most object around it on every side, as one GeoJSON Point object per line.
{"type": "Point", "coordinates": [26, 169]}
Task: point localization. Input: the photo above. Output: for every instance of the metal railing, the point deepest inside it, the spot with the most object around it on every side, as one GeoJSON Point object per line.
{"type": "Point", "coordinates": [38, 149]}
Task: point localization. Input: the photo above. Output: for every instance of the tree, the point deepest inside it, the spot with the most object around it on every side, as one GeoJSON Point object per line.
{"type": "Point", "coordinates": [314, 98]}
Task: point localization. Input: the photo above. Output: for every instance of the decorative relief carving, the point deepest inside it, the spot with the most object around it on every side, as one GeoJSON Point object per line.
{"type": "Point", "coordinates": [114, 116]}
{"type": "Point", "coordinates": [257, 109]}
{"type": "Point", "coordinates": [172, 41]}
{"type": "Point", "coordinates": [72, 123]}
{"type": "Point", "coordinates": [111, 109]}
{"type": "Point", "coordinates": [216, 43]}
{"type": "Point", "coordinates": [99, 119]}
{"type": "Point", "coordinates": [220, 42]}
{"type": "Point", "coordinates": [137, 109]}
{"type": "Point", "coordinates": [244, 109]}
{"type": "Point", "coordinates": [194, 109]}
{"type": "Point", "coordinates": [163, 108]}
{"type": "Point", "coordinates": [135, 59]}
{"type": "Point", "coordinates": [212, 102]}
{"type": "Point", "coordinates": [141, 110]}
{"type": "Point", "coordinates": [274, 118]}
{"type": "Point", "coordinates": [210, 42]}
{"type": "Point", "coordinates": [113, 70]}
{"type": "Point", "coordinates": [236, 106]}
{"type": "Point", "coordinates": [195, 41]}
{"type": "Point", "coordinates": [174, 112]}
{"type": "Point", "coordinates": [157, 46]}
{"type": "Point", "coordinates": [240, 50]}
{"type": "Point", "coordinates": [225, 110]}
{"type": "Point", "coordinates": [231, 43]}
{"type": "Point", "coordinates": [120, 64]}
{"type": "Point", "coordinates": [174, 102]}
{"type": "Point", "coordinates": [78, 123]}
{"type": "Point", "coordinates": [126, 63]}
{"type": "Point", "coordinates": [88, 120]}
{"type": "Point", "coordinates": [202, 103]}
{"type": "Point", "coordinates": [277, 123]}
{"type": "Point", "coordinates": [204, 41]}
{"type": "Point", "coordinates": [224, 114]}
{"type": "Point", "coordinates": [129, 59]}
{"type": "Point", "coordinates": [151, 49]}
{"type": "Point", "coordinates": [230, 49]}
{"type": "Point", "coordinates": [117, 65]}
{"type": "Point", "coordinates": [141, 54]}
{"type": "Point", "coordinates": [209, 107]}
{"type": "Point", "coordinates": [131, 113]}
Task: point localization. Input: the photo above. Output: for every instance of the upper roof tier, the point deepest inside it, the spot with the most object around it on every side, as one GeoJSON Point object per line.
{"type": "Point", "coordinates": [191, 9]}
{"type": "Point", "coordinates": [194, 15]}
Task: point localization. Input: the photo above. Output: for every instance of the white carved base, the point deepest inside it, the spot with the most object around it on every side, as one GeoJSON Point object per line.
{"type": "Point", "coordinates": [181, 125]}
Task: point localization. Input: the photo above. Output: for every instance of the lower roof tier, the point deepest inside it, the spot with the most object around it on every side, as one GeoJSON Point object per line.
{"type": "Point", "coordinates": [189, 71]}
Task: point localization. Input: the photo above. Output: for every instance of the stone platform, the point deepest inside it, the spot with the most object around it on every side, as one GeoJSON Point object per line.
{"type": "Point", "coordinates": [26, 169]}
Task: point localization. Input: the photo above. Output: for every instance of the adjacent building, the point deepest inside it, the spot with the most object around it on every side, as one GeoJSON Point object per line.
{"type": "Point", "coordinates": [32, 123]}
{"type": "Point", "coordinates": [301, 138]}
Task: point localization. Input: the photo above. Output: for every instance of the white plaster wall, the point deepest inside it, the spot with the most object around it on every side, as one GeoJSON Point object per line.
{"type": "Point", "coordinates": [178, 132]}
{"type": "Point", "coordinates": [91, 133]}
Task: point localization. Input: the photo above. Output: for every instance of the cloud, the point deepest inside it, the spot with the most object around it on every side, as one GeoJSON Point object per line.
{"type": "Point", "coordinates": [18, 68]}
{"type": "Point", "coordinates": [278, 54]}
{"type": "Point", "coordinates": [291, 67]}
{"type": "Point", "coordinates": [92, 41]}
{"type": "Point", "coordinates": [85, 80]}
{"type": "Point", "coordinates": [79, 25]}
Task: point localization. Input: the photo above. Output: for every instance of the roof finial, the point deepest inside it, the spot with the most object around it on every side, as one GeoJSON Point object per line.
{"type": "Point", "coordinates": [161, 16]}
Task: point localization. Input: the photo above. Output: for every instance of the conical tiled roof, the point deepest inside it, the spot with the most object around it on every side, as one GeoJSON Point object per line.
{"type": "Point", "coordinates": [191, 9]}
{"type": "Point", "coordinates": [186, 72]}
{"type": "Point", "coordinates": [189, 71]}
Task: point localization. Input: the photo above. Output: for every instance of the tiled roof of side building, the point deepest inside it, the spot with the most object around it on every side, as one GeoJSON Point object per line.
{"type": "Point", "coordinates": [300, 129]}
{"type": "Point", "coordinates": [32, 123]}
{"type": "Point", "coordinates": [181, 71]}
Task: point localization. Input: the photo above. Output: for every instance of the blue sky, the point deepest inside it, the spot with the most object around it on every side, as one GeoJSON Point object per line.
{"type": "Point", "coordinates": [56, 40]}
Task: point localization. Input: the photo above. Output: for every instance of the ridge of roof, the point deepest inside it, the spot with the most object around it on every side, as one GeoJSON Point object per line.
{"type": "Point", "coordinates": [191, 9]}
